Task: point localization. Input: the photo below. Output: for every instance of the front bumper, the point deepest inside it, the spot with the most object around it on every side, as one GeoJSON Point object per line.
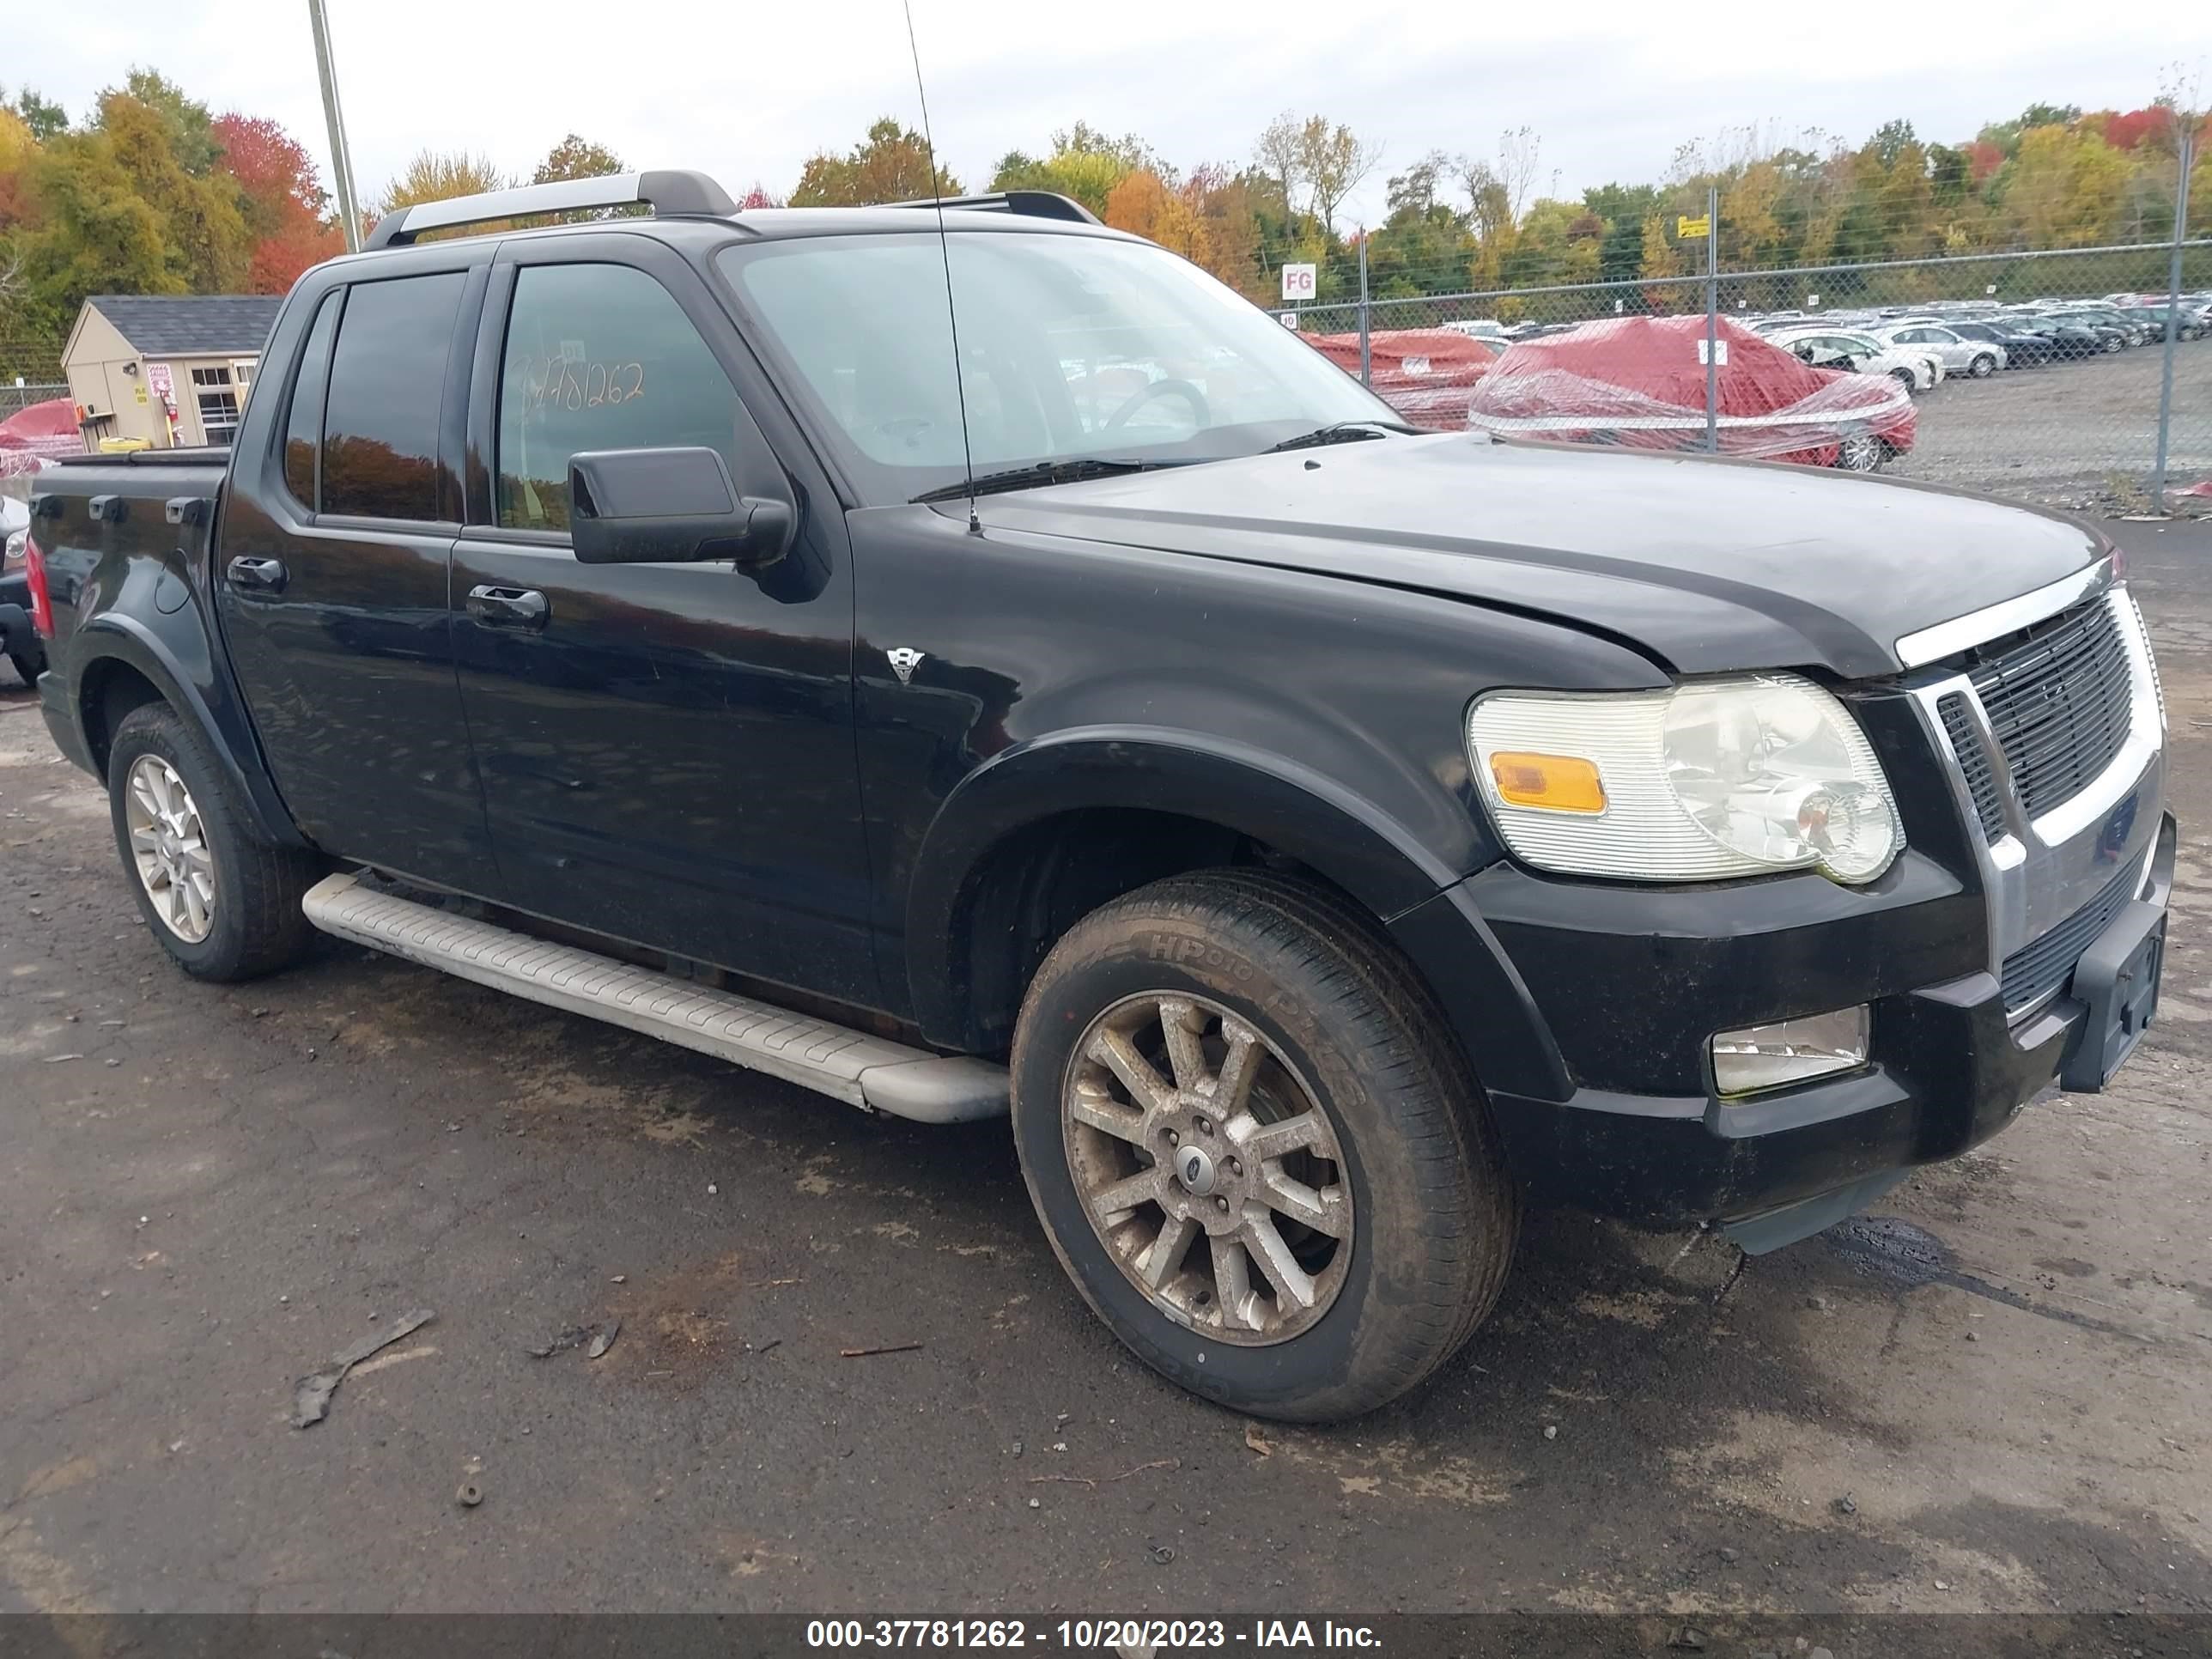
{"type": "Point", "coordinates": [1949, 1069]}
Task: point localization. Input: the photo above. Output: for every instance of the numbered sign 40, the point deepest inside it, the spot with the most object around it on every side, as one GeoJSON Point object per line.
{"type": "Point", "coordinates": [1299, 282]}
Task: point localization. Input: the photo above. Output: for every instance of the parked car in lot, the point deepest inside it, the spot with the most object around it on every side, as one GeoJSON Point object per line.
{"type": "Point", "coordinates": [1427, 374]}
{"type": "Point", "coordinates": [1479, 328]}
{"type": "Point", "coordinates": [1958, 354]}
{"type": "Point", "coordinates": [2022, 348]}
{"type": "Point", "coordinates": [1322, 839]}
{"type": "Point", "coordinates": [2191, 322]}
{"type": "Point", "coordinates": [1639, 383]}
{"type": "Point", "coordinates": [1861, 354]}
{"type": "Point", "coordinates": [2112, 336]}
{"type": "Point", "coordinates": [2069, 341]}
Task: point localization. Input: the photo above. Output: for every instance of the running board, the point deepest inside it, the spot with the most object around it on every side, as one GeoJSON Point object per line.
{"type": "Point", "coordinates": [868, 1072]}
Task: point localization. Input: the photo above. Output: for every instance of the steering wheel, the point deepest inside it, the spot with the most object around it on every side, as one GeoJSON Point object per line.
{"type": "Point", "coordinates": [1201, 414]}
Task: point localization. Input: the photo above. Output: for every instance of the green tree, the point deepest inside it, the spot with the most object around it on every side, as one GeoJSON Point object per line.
{"type": "Point", "coordinates": [1085, 164]}
{"type": "Point", "coordinates": [95, 234]}
{"type": "Point", "coordinates": [892, 164]}
{"type": "Point", "coordinates": [185, 121]}
{"type": "Point", "coordinates": [42, 116]}
{"type": "Point", "coordinates": [2064, 189]}
{"type": "Point", "coordinates": [576, 157]}
{"type": "Point", "coordinates": [440, 176]}
{"type": "Point", "coordinates": [1659, 259]}
{"type": "Point", "coordinates": [202, 221]}
{"type": "Point", "coordinates": [1335, 160]}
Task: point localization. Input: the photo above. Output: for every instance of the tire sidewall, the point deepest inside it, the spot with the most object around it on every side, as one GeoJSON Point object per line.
{"type": "Point", "coordinates": [1168, 954]}
{"type": "Point", "coordinates": [163, 735]}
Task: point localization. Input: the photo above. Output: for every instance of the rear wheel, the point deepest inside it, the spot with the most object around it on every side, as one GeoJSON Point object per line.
{"type": "Point", "coordinates": [1983, 366]}
{"type": "Point", "coordinates": [1905, 378]}
{"type": "Point", "coordinates": [1862, 453]}
{"type": "Point", "coordinates": [1255, 1150]}
{"type": "Point", "coordinates": [221, 901]}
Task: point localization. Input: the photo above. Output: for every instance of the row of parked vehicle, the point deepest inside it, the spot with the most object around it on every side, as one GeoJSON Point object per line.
{"type": "Point", "coordinates": [1919, 347]}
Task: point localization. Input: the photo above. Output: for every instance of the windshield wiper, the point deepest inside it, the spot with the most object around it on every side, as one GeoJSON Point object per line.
{"type": "Point", "coordinates": [1036, 476]}
{"type": "Point", "coordinates": [1342, 432]}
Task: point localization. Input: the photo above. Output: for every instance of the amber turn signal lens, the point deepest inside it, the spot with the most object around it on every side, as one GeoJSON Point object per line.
{"type": "Point", "coordinates": [1565, 783]}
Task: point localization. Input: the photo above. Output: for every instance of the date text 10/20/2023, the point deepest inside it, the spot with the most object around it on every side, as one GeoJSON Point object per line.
{"type": "Point", "coordinates": [1127, 1636]}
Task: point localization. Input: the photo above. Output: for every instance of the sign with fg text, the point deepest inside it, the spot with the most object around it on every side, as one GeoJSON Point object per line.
{"type": "Point", "coordinates": [1300, 281]}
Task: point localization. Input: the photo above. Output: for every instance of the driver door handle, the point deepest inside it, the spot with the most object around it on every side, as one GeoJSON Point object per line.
{"type": "Point", "coordinates": [509, 607]}
{"type": "Point", "coordinates": [268, 574]}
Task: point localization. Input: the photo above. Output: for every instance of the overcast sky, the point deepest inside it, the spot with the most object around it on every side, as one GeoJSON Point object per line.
{"type": "Point", "coordinates": [748, 92]}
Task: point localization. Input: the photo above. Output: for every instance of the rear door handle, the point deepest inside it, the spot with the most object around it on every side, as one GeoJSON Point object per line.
{"type": "Point", "coordinates": [520, 607]}
{"type": "Point", "coordinates": [268, 574]}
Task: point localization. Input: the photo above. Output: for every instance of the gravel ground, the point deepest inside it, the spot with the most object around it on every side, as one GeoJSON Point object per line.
{"type": "Point", "coordinates": [205, 1192]}
{"type": "Point", "coordinates": [2080, 435]}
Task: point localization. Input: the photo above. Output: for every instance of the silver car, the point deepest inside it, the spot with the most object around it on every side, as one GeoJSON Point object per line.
{"type": "Point", "coordinates": [1958, 354]}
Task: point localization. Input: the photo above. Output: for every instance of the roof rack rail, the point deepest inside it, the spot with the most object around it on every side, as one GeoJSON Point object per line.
{"type": "Point", "coordinates": [670, 192]}
{"type": "Point", "coordinates": [1030, 203]}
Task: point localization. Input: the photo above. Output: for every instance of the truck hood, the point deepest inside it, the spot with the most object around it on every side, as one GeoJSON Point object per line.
{"type": "Point", "coordinates": [1705, 565]}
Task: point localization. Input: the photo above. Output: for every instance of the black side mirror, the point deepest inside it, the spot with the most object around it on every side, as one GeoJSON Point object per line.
{"type": "Point", "coordinates": [668, 506]}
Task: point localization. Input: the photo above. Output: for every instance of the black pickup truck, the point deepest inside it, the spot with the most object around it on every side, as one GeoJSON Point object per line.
{"type": "Point", "coordinates": [1323, 837]}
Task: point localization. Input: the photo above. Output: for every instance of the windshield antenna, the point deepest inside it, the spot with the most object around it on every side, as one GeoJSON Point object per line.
{"type": "Point", "coordinates": [945, 248]}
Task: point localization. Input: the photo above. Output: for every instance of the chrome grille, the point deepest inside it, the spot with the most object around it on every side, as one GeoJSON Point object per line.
{"type": "Point", "coordinates": [1973, 764]}
{"type": "Point", "coordinates": [2043, 965]}
{"type": "Point", "coordinates": [2059, 704]}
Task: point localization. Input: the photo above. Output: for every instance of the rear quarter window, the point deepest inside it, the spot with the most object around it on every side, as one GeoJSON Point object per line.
{"type": "Point", "coordinates": [303, 422]}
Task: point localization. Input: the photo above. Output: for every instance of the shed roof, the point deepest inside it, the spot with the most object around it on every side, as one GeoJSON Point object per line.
{"type": "Point", "coordinates": [190, 325]}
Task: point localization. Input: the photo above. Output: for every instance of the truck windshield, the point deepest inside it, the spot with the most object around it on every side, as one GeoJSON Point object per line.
{"type": "Point", "coordinates": [1072, 349]}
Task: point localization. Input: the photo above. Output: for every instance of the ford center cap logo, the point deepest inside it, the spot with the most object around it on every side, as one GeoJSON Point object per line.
{"type": "Point", "coordinates": [1196, 1171]}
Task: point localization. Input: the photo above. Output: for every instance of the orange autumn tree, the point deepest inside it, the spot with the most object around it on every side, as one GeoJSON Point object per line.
{"type": "Point", "coordinates": [284, 205]}
{"type": "Point", "coordinates": [1144, 205]}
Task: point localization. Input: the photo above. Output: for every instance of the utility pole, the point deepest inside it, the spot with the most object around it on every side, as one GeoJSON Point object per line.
{"type": "Point", "coordinates": [1712, 320]}
{"type": "Point", "coordinates": [1366, 361]}
{"type": "Point", "coordinates": [341, 158]}
{"type": "Point", "coordinates": [2186, 127]}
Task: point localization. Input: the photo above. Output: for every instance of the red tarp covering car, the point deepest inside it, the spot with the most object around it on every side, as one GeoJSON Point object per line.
{"type": "Point", "coordinates": [1640, 382]}
{"type": "Point", "coordinates": [40, 432]}
{"type": "Point", "coordinates": [1425, 374]}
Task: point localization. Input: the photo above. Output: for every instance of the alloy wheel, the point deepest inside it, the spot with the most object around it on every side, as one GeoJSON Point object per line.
{"type": "Point", "coordinates": [168, 846]}
{"type": "Point", "coordinates": [1181, 1121]}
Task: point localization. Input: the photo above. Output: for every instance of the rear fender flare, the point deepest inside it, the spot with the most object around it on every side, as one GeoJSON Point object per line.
{"type": "Point", "coordinates": [111, 635]}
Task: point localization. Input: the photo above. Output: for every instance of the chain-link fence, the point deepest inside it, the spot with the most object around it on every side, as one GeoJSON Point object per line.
{"type": "Point", "coordinates": [2081, 377]}
{"type": "Point", "coordinates": [22, 394]}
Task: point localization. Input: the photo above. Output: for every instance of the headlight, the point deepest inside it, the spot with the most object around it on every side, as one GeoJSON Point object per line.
{"type": "Point", "coordinates": [14, 555]}
{"type": "Point", "coordinates": [1712, 779]}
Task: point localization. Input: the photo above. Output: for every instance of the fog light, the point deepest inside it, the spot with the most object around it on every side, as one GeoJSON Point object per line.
{"type": "Point", "coordinates": [1788, 1051]}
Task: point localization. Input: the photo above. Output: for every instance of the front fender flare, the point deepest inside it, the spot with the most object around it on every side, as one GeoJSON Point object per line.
{"type": "Point", "coordinates": [1271, 798]}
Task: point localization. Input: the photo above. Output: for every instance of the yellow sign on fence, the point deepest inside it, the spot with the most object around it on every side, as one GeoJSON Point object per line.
{"type": "Point", "coordinates": [1686, 227]}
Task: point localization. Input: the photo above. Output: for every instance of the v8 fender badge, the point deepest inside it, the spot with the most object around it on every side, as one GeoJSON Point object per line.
{"type": "Point", "coordinates": [904, 660]}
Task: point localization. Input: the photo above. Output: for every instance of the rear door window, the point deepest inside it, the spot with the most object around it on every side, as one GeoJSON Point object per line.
{"type": "Point", "coordinates": [388, 383]}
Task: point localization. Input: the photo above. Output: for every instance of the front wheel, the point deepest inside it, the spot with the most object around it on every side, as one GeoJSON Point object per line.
{"type": "Point", "coordinates": [1905, 378]}
{"type": "Point", "coordinates": [223, 902]}
{"type": "Point", "coordinates": [1255, 1147]}
{"type": "Point", "coordinates": [1861, 453]}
